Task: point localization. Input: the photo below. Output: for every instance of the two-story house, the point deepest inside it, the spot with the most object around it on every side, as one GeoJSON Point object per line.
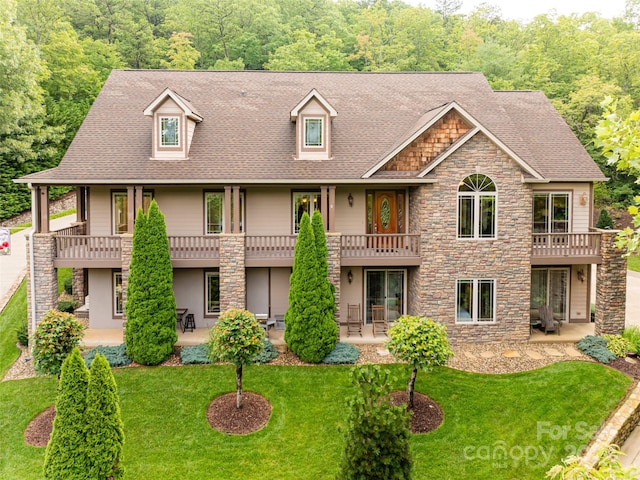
{"type": "Point", "coordinates": [440, 196]}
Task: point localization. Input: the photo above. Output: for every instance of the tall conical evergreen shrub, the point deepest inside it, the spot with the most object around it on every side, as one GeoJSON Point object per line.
{"type": "Point", "coordinates": [150, 331]}
{"type": "Point", "coordinates": [328, 289]}
{"type": "Point", "coordinates": [104, 434]}
{"type": "Point", "coordinates": [310, 333]}
{"type": "Point", "coordinates": [63, 457]}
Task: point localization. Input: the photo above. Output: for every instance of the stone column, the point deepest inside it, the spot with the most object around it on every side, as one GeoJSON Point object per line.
{"type": "Point", "coordinates": [611, 286]}
{"type": "Point", "coordinates": [45, 277]}
{"type": "Point", "coordinates": [334, 253]}
{"type": "Point", "coordinates": [78, 286]}
{"type": "Point", "coordinates": [126, 247]}
{"type": "Point", "coordinates": [232, 272]}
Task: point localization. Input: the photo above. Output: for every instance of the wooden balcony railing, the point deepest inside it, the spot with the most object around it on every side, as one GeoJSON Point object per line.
{"type": "Point", "coordinates": [270, 246]}
{"type": "Point", "coordinates": [87, 247]}
{"type": "Point", "coordinates": [391, 245]}
{"type": "Point", "coordinates": [74, 230]}
{"type": "Point", "coordinates": [566, 244]}
{"type": "Point", "coordinates": [194, 247]}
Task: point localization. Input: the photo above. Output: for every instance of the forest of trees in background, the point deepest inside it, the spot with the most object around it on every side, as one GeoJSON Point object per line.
{"type": "Point", "coordinates": [56, 54]}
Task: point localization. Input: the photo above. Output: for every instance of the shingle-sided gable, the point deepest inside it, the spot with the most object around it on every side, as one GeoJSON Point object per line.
{"type": "Point", "coordinates": [247, 134]}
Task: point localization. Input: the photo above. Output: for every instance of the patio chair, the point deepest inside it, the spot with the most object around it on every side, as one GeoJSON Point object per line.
{"type": "Point", "coordinates": [378, 319]}
{"type": "Point", "coordinates": [354, 320]}
{"type": "Point", "coordinates": [549, 323]}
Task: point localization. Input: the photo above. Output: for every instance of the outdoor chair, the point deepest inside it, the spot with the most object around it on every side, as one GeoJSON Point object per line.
{"type": "Point", "coordinates": [354, 320]}
{"type": "Point", "coordinates": [189, 323]}
{"type": "Point", "coordinates": [549, 323]}
{"type": "Point", "coordinates": [378, 319]}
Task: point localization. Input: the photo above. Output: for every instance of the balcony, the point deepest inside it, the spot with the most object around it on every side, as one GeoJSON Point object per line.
{"type": "Point", "coordinates": [565, 248]}
{"type": "Point", "coordinates": [260, 250]}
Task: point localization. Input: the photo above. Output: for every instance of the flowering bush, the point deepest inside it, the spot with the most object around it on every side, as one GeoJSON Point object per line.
{"type": "Point", "coordinates": [55, 337]}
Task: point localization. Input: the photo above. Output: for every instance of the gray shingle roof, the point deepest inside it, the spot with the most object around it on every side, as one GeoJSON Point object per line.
{"type": "Point", "coordinates": [247, 134]}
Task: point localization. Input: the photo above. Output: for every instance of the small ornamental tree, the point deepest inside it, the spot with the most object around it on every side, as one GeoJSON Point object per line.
{"type": "Point", "coordinates": [104, 431]}
{"type": "Point", "coordinates": [236, 338]}
{"type": "Point", "coordinates": [311, 332]}
{"type": "Point", "coordinates": [63, 457]}
{"type": "Point", "coordinates": [604, 220]}
{"type": "Point", "coordinates": [150, 331]}
{"type": "Point", "coordinates": [57, 334]}
{"type": "Point", "coordinates": [377, 436]}
{"type": "Point", "coordinates": [420, 342]}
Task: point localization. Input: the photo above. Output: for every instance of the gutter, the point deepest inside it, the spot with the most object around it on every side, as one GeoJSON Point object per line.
{"type": "Point", "coordinates": [32, 268]}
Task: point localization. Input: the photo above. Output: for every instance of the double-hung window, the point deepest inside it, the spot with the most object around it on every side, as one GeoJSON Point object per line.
{"type": "Point", "coordinates": [169, 131]}
{"type": "Point", "coordinates": [214, 212]}
{"type": "Point", "coordinates": [477, 200]}
{"type": "Point", "coordinates": [212, 286]}
{"type": "Point", "coordinates": [551, 212]}
{"type": "Point", "coordinates": [475, 301]}
{"type": "Point", "coordinates": [304, 202]}
{"type": "Point", "coordinates": [313, 135]}
{"type": "Point", "coordinates": [118, 304]}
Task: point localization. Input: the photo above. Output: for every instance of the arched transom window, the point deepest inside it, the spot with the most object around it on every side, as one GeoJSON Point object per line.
{"type": "Point", "coordinates": [477, 207]}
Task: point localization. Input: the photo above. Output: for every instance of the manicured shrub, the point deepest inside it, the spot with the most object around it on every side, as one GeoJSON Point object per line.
{"type": "Point", "coordinates": [104, 431]}
{"type": "Point", "coordinates": [420, 342]}
{"type": "Point", "coordinates": [267, 353]}
{"type": "Point", "coordinates": [596, 347]}
{"type": "Point", "coordinates": [618, 345]}
{"type": "Point", "coordinates": [66, 306]}
{"type": "Point", "coordinates": [68, 285]}
{"type": "Point", "coordinates": [311, 332]}
{"type": "Point", "coordinates": [64, 457]}
{"type": "Point", "coordinates": [377, 434]}
{"type": "Point", "coordinates": [604, 220]}
{"type": "Point", "coordinates": [53, 340]}
{"type": "Point", "coordinates": [632, 334]}
{"type": "Point", "coordinates": [150, 331]}
{"type": "Point", "coordinates": [116, 355]}
{"type": "Point", "coordinates": [236, 338]}
{"type": "Point", "coordinates": [23, 333]}
{"type": "Point", "coordinates": [343, 353]}
{"type": "Point", "coordinates": [195, 354]}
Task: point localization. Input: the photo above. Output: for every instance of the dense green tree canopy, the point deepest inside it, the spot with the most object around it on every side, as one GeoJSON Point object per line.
{"type": "Point", "coordinates": [56, 54]}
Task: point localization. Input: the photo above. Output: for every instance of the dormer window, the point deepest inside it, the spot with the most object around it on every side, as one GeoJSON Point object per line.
{"type": "Point", "coordinates": [313, 132]}
{"type": "Point", "coordinates": [170, 131]}
{"type": "Point", "coordinates": [173, 127]}
{"type": "Point", "coordinates": [313, 117]}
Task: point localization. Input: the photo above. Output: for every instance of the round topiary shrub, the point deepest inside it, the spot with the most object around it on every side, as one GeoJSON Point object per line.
{"type": "Point", "coordinates": [55, 337]}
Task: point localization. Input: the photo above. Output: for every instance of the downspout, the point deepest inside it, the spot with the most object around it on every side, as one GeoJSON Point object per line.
{"type": "Point", "coordinates": [32, 268]}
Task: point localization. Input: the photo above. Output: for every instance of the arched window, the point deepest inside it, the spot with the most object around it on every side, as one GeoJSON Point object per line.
{"type": "Point", "coordinates": [477, 207]}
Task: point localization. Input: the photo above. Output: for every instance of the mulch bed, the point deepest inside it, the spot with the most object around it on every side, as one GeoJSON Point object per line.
{"type": "Point", "coordinates": [624, 366]}
{"type": "Point", "coordinates": [226, 418]}
{"type": "Point", "coordinates": [39, 429]}
{"type": "Point", "coordinates": [426, 415]}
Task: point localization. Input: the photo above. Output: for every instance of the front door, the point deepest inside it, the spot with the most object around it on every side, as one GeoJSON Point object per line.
{"type": "Point", "coordinates": [385, 213]}
{"type": "Point", "coordinates": [385, 287]}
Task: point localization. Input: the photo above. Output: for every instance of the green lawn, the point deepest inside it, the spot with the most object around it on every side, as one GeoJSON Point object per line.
{"type": "Point", "coordinates": [168, 437]}
{"type": "Point", "coordinates": [10, 319]}
{"type": "Point", "coordinates": [633, 263]}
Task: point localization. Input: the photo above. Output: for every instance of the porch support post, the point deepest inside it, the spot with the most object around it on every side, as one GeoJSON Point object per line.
{"type": "Point", "coordinates": [334, 241]}
{"type": "Point", "coordinates": [332, 209]}
{"type": "Point", "coordinates": [324, 201]}
{"type": "Point", "coordinates": [44, 209]}
{"type": "Point", "coordinates": [232, 271]}
{"type": "Point", "coordinates": [611, 286]}
{"type": "Point", "coordinates": [131, 209]}
{"type": "Point", "coordinates": [139, 199]}
{"type": "Point", "coordinates": [80, 205]}
{"type": "Point", "coordinates": [45, 279]}
{"type": "Point", "coordinates": [227, 210]}
{"type": "Point", "coordinates": [126, 249]}
{"type": "Point", "coordinates": [236, 210]}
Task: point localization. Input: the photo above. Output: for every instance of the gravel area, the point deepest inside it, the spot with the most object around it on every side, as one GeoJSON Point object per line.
{"type": "Point", "coordinates": [480, 358]}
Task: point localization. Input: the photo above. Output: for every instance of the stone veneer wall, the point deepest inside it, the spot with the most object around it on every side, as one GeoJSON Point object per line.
{"type": "Point", "coordinates": [446, 259]}
{"type": "Point", "coordinates": [46, 276]}
{"type": "Point", "coordinates": [611, 286]}
{"type": "Point", "coordinates": [232, 271]}
{"type": "Point", "coordinates": [334, 245]}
